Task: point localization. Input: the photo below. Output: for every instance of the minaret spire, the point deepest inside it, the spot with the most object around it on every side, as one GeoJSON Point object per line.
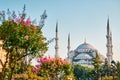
{"type": "Point", "coordinates": [68, 43]}
{"type": "Point", "coordinates": [109, 44]}
{"type": "Point", "coordinates": [56, 40]}
{"type": "Point", "coordinates": [108, 28]}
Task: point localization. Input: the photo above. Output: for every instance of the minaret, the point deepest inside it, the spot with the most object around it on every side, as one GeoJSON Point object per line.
{"type": "Point", "coordinates": [56, 40]}
{"type": "Point", "coordinates": [109, 44]}
{"type": "Point", "coordinates": [68, 47]}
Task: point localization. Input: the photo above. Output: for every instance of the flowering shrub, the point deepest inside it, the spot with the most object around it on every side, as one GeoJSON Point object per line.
{"type": "Point", "coordinates": [20, 38]}
{"type": "Point", "coordinates": [53, 68]}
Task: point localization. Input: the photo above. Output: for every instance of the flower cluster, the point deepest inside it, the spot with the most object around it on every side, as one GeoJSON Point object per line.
{"type": "Point", "coordinates": [51, 66]}
{"type": "Point", "coordinates": [23, 33]}
{"type": "Point", "coordinates": [50, 63]}
{"type": "Point", "coordinates": [24, 28]}
{"type": "Point", "coordinates": [26, 23]}
{"type": "Point", "coordinates": [59, 61]}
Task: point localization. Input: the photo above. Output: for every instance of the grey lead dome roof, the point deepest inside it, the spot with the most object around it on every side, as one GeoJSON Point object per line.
{"type": "Point", "coordinates": [85, 46]}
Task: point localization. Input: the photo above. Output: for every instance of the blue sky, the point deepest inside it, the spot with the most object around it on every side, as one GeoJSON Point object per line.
{"type": "Point", "coordinates": [81, 18]}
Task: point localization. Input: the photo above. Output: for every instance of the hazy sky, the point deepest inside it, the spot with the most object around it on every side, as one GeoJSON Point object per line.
{"type": "Point", "coordinates": [81, 18]}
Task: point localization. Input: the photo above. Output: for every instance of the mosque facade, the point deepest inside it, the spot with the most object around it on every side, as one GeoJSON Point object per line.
{"type": "Point", "coordinates": [85, 52]}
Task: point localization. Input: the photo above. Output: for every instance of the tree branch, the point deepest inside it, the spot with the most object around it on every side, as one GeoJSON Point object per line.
{"type": "Point", "coordinates": [1, 62]}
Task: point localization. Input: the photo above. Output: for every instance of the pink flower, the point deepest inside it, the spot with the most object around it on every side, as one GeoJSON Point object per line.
{"type": "Point", "coordinates": [35, 70]}
{"type": "Point", "coordinates": [44, 59]}
{"type": "Point", "coordinates": [37, 66]}
{"type": "Point", "coordinates": [39, 60]}
{"type": "Point", "coordinates": [26, 37]}
{"type": "Point", "coordinates": [65, 60]}
{"type": "Point", "coordinates": [53, 65]}
{"type": "Point", "coordinates": [12, 21]}
{"type": "Point", "coordinates": [49, 60]}
{"type": "Point", "coordinates": [27, 22]}
{"type": "Point", "coordinates": [19, 20]}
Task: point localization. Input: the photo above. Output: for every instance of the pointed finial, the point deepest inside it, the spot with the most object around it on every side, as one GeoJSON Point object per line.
{"type": "Point", "coordinates": [57, 26]}
{"type": "Point", "coordinates": [108, 21]}
{"type": "Point", "coordinates": [108, 27]}
{"type": "Point", "coordinates": [69, 37]}
{"type": "Point", "coordinates": [85, 40]}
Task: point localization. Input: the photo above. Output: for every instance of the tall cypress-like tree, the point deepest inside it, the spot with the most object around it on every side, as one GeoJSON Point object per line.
{"type": "Point", "coordinates": [97, 63]}
{"type": "Point", "coordinates": [118, 69]}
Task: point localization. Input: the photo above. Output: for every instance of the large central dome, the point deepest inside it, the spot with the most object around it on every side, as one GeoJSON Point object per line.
{"type": "Point", "coordinates": [85, 46]}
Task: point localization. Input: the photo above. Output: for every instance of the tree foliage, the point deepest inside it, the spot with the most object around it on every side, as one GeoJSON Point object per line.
{"type": "Point", "coordinates": [28, 75]}
{"type": "Point", "coordinates": [118, 69]}
{"type": "Point", "coordinates": [52, 68]}
{"type": "Point", "coordinates": [82, 72]}
{"type": "Point", "coordinates": [21, 38]}
{"type": "Point", "coordinates": [97, 65]}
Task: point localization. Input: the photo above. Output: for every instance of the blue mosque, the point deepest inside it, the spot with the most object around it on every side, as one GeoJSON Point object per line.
{"type": "Point", "coordinates": [85, 52]}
